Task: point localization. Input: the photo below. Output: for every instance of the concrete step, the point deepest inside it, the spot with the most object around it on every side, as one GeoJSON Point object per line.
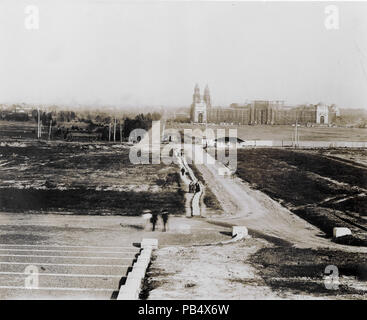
{"type": "Point", "coordinates": [64, 271]}
{"type": "Point", "coordinates": [62, 281]}
{"type": "Point", "coordinates": [66, 247]}
{"type": "Point", "coordinates": [84, 269]}
{"type": "Point", "coordinates": [63, 252]}
{"type": "Point", "coordinates": [46, 294]}
{"type": "Point", "coordinates": [94, 261]}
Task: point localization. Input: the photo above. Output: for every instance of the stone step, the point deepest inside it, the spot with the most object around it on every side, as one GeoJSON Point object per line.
{"type": "Point", "coordinates": [71, 269]}
{"type": "Point", "coordinates": [62, 281]}
{"type": "Point", "coordinates": [94, 261]}
{"type": "Point", "coordinates": [47, 294]}
{"type": "Point", "coordinates": [64, 251]}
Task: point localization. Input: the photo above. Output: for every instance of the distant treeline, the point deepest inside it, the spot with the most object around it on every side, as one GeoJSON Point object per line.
{"type": "Point", "coordinates": [105, 129]}
{"type": "Point", "coordinates": [14, 116]}
{"type": "Point", "coordinates": [66, 124]}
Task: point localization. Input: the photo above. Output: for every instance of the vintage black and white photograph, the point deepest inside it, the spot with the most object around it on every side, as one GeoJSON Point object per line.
{"type": "Point", "coordinates": [183, 150]}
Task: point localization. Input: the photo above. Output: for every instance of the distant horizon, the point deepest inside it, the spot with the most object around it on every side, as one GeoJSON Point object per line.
{"type": "Point", "coordinates": [154, 108]}
{"type": "Point", "coordinates": [151, 54]}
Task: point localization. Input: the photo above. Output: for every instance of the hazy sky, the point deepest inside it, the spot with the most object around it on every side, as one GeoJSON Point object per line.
{"type": "Point", "coordinates": [153, 53]}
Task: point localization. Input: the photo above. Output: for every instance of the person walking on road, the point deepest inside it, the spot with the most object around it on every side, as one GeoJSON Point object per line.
{"type": "Point", "coordinates": [147, 215]}
{"type": "Point", "coordinates": [191, 187]}
{"type": "Point", "coordinates": [153, 220]}
{"type": "Point", "coordinates": [165, 219]}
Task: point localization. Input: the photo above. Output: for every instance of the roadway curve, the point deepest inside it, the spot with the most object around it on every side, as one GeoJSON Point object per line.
{"type": "Point", "coordinates": [257, 211]}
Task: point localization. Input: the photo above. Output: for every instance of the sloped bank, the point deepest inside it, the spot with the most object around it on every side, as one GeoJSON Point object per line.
{"type": "Point", "coordinates": [87, 201]}
{"type": "Point", "coordinates": [323, 191]}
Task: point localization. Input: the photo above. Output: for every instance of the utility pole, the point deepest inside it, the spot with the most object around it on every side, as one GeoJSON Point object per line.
{"type": "Point", "coordinates": [296, 134]}
{"type": "Point", "coordinates": [114, 130]}
{"type": "Point", "coordinates": [38, 124]}
{"type": "Point", "coordinates": [296, 138]}
{"type": "Point", "coordinates": [120, 132]}
{"type": "Point", "coordinates": [49, 132]}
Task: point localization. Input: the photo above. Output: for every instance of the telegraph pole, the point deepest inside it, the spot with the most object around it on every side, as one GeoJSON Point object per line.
{"type": "Point", "coordinates": [38, 124]}
{"type": "Point", "coordinates": [49, 132]}
{"type": "Point", "coordinates": [114, 130]}
{"type": "Point", "coordinates": [296, 134]}
{"type": "Point", "coordinates": [296, 137]}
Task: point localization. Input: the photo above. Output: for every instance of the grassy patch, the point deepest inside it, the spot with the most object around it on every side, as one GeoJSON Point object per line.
{"type": "Point", "coordinates": [325, 192]}
{"type": "Point", "coordinates": [302, 270]}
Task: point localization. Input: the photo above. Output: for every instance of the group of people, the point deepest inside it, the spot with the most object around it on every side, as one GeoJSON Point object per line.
{"type": "Point", "coordinates": [194, 187]}
{"type": "Point", "coordinates": [154, 218]}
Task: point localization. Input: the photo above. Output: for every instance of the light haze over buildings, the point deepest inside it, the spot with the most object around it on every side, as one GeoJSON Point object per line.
{"type": "Point", "coordinates": [153, 53]}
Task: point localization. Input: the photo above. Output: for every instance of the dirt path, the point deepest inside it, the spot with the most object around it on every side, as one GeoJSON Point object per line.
{"type": "Point", "coordinates": [212, 272]}
{"type": "Point", "coordinates": [259, 212]}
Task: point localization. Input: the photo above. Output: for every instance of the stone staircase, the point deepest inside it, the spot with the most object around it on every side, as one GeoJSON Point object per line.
{"type": "Point", "coordinates": [63, 272]}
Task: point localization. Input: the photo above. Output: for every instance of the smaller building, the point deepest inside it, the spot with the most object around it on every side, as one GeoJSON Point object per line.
{"type": "Point", "coordinates": [322, 113]}
{"type": "Point", "coordinates": [228, 142]}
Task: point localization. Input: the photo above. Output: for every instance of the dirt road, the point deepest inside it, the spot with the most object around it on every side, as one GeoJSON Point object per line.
{"type": "Point", "coordinates": [257, 211]}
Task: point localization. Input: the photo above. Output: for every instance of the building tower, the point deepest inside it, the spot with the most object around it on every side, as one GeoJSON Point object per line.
{"type": "Point", "coordinates": [198, 107]}
{"type": "Point", "coordinates": [322, 113]}
{"type": "Point", "coordinates": [206, 97]}
{"type": "Point", "coordinates": [196, 96]}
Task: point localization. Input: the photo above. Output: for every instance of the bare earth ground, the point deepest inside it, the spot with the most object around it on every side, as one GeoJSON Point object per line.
{"type": "Point", "coordinates": [286, 258]}
{"type": "Point", "coordinates": [239, 271]}
{"type": "Point", "coordinates": [104, 230]}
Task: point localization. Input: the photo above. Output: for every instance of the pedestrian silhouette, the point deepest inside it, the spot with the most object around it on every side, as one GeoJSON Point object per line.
{"type": "Point", "coordinates": [191, 187]}
{"type": "Point", "coordinates": [153, 220]}
{"type": "Point", "coordinates": [197, 187]}
{"type": "Point", "coordinates": [183, 171]}
{"type": "Point", "coordinates": [165, 219]}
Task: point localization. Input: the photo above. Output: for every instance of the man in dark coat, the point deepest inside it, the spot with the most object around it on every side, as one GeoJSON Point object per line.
{"type": "Point", "coordinates": [153, 220]}
{"type": "Point", "coordinates": [165, 219]}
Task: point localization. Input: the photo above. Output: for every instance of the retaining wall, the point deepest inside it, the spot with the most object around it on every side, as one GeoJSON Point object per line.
{"type": "Point", "coordinates": [134, 280]}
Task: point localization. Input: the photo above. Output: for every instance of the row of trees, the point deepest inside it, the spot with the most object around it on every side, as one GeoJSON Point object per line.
{"type": "Point", "coordinates": [14, 116]}
{"type": "Point", "coordinates": [105, 130]}
{"type": "Point", "coordinates": [45, 118]}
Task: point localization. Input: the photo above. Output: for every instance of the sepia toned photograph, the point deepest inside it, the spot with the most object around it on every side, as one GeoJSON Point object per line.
{"type": "Point", "coordinates": [183, 150]}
